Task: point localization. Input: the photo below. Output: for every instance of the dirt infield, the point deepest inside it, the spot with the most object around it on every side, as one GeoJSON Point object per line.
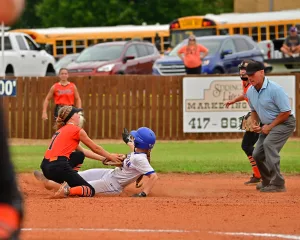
{"type": "Point", "coordinates": [180, 207]}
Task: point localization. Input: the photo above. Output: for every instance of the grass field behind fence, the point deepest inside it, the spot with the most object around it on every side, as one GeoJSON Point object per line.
{"type": "Point", "coordinates": [185, 157]}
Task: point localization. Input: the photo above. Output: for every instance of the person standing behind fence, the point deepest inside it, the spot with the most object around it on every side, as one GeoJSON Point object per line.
{"type": "Point", "coordinates": [269, 103]}
{"type": "Point", "coordinates": [191, 56]}
{"type": "Point", "coordinates": [64, 92]}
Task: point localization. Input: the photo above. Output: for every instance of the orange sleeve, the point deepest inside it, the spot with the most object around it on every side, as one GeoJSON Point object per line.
{"type": "Point", "coordinates": [201, 48]}
{"type": "Point", "coordinates": [182, 50]}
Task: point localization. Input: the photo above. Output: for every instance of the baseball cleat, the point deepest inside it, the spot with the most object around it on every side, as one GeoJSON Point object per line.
{"type": "Point", "coordinates": [253, 181]}
{"type": "Point", "coordinates": [63, 191]}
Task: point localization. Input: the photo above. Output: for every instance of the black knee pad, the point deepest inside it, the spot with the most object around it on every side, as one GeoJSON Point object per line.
{"type": "Point", "coordinates": [248, 149]}
{"type": "Point", "coordinates": [76, 158]}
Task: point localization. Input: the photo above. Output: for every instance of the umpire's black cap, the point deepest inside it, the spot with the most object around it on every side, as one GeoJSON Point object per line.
{"type": "Point", "coordinates": [253, 67]}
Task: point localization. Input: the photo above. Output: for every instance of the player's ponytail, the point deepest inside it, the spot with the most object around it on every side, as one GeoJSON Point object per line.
{"type": "Point", "coordinates": [62, 114]}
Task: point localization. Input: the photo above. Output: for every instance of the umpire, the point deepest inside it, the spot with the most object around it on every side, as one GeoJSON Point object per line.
{"type": "Point", "coordinates": [269, 103]}
{"type": "Point", "coordinates": [250, 137]}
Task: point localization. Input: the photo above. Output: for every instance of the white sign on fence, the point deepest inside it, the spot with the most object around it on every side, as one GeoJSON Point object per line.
{"type": "Point", "coordinates": [204, 98]}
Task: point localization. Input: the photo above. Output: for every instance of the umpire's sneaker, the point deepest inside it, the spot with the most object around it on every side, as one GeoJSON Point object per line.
{"type": "Point", "coordinates": [273, 188]}
{"type": "Point", "coordinates": [63, 191]}
{"type": "Point", "coordinates": [253, 181]}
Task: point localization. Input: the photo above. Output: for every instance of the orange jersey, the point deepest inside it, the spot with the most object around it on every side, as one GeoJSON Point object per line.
{"type": "Point", "coordinates": [64, 95]}
{"type": "Point", "coordinates": [63, 142]}
{"type": "Point", "coordinates": [192, 55]}
{"type": "Point", "coordinates": [245, 89]}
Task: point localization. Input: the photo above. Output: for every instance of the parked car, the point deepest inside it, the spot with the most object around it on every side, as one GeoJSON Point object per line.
{"type": "Point", "coordinates": [22, 56]}
{"type": "Point", "coordinates": [65, 61]}
{"type": "Point", "coordinates": [132, 57]}
{"type": "Point", "coordinates": [225, 54]}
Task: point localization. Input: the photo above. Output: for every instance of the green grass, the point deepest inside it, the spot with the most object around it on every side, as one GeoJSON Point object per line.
{"type": "Point", "coordinates": [186, 157]}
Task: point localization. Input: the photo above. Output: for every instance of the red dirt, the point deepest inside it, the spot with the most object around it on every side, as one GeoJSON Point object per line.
{"type": "Point", "coordinates": [199, 204]}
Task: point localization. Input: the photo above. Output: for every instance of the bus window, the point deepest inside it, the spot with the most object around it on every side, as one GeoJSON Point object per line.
{"type": "Point", "coordinates": [118, 39]}
{"type": "Point", "coordinates": [90, 42]}
{"type": "Point", "coordinates": [166, 43]}
{"type": "Point", "coordinates": [147, 39]}
{"type": "Point", "coordinates": [263, 34]}
{"type": "Point", "coordinates": [223, 31]}
{"type": "Point", "coordinates": [246, 31]}
{"type": "Point", "coordinates": [236, 30]}
{"type": "Point", "coordinates": [254, 33]}
{"type": "Point", "coordinates": [272, 30]}
{"type": "Point", "coordinates": [69, 46]}
{"type": "Point", "coordinates": [109, 40]}
{"type": "Point", "coordinates": [79, 45]}
{"type": "Point", "coordinates": [281, 31]}
{"type": "Point", "coordinates": [99, 41]}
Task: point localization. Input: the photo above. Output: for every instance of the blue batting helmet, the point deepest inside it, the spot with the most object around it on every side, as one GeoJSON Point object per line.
{"type": "Point", "coordinates": [144, 138]}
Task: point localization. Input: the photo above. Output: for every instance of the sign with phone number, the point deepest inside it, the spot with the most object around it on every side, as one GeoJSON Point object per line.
{"type": "Point", "coordinates": [8, 87]}
{"type": "Point", "coordinates": [204, 101]}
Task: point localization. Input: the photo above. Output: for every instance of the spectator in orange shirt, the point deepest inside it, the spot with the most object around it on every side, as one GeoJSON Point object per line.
{"type": "Point", "coordinates": [64, 92]}
{"type": "Point", "coordinates": [191, 56]}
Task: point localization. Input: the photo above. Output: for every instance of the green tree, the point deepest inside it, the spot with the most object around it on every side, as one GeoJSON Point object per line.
{"type": "Point", "coordinates": [29, 19]}
{"type": "Point", "coordinates": [81, 13]}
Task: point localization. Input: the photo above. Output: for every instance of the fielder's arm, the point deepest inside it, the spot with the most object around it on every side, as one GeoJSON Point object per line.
{"type": "Point", "coordinates": [237, 99]}
{"type": "Point", "coordinates": [90, 154]}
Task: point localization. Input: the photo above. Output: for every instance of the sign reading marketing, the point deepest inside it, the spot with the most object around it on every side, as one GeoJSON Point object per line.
{"type": "Point", "coordinates": [204, 101]}
{"type": "Point", "coordinates": [8, 87]}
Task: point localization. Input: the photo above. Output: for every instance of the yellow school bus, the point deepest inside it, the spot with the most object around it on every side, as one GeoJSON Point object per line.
{"type": "Point", "coordinates": [260, 26]}
{"type": "Point", "coordinates": [62, 41]}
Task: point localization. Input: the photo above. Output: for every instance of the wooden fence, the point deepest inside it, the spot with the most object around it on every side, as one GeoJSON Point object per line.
{"type": "Point", "coordinates": [111, 103]}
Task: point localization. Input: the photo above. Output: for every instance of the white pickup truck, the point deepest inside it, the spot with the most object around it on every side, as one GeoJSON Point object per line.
{"type": "Point", "coordinates": [23, 57]}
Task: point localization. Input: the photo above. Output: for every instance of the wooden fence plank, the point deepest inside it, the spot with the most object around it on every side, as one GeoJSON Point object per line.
{"type": "Point", "coordinates": [39, 108]}
{"type": "Point", "coordinates": [113, 107]}
{"type": "Point", "coordinates": [134, 103]}
{"type": "Point", "coordinates": [148, 107]}
{"type": "Point", "coordinates": [19, 110]}
{"type": "Point", "coordinates": [154, 106]}
{"type": "Point", "coordinates": [161, 107]}
{"type": "Point", "coordinates": [106, 108]}
{"type": "Point", "coordinates": [99, 108]}
{"type": "Point", "coordinates": [120, 105]}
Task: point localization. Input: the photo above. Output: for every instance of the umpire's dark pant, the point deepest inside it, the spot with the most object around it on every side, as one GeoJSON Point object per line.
{"type": "Point", "coordinates": [248, 142]}
{"type": "Point", "coordinates": [61, 170]}
{"type": "Point", "coordinates": [266, 152]}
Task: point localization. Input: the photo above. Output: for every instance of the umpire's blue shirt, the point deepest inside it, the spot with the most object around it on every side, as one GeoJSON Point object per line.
{"type": "Point", "coordinates": [269, 101]}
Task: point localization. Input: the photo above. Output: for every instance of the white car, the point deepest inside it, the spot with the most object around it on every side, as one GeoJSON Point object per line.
{"type": "Point", "coordinates": [23, 57]}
